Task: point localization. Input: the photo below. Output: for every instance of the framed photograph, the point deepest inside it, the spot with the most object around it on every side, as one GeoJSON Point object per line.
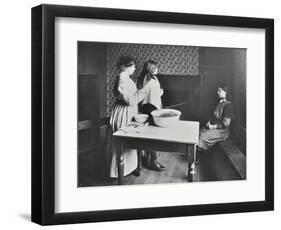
{"type": "Point", "coordinates": [145, 114]}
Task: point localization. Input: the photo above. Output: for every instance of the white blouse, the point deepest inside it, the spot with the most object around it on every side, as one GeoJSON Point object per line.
{"type": "Point", "coordinates": [154, 93]}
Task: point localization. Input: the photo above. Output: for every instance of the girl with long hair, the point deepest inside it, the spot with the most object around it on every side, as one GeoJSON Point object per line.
{"type": "Point", "coordinates": [217, 128]}
{"type": "Point", "coordinates": [151, 101]}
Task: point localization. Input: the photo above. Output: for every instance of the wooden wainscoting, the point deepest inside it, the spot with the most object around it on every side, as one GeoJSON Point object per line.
{"type": "Point", "coordinates": [182, 92]}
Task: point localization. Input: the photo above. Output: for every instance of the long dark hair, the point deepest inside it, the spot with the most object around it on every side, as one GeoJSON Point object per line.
{"type": "Point", "coordinates": [227, 89]}
{"type": "Point", "coordinates": [147, 70]}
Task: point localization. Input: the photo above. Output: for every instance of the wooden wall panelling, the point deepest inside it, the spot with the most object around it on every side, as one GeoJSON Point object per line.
{"type": "Point", "coordinates": [91, 92]}
{"type": "Point", "coordinates": [182, 90]}
{"type": "Point", "coordinates": [217, 68]}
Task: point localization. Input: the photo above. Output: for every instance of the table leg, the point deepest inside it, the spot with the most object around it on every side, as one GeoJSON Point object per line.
{"type": "Point", "coordinates": [120, 161]}
{"type": "Point", "coordinates": [192, 169]}
{"type": "Point", "coordinates": [139, 165]}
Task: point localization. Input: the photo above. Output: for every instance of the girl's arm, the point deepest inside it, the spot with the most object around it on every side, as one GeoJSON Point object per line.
{"type": "Point", "coordinates": [161, 89]}
{"type": "Point", "coordinates": [228, 114]}
{"type": "Point", "coordinates": [224, 124]}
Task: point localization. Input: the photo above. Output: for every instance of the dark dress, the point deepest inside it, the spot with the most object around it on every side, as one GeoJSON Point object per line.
{"type": "Point", "coordinates": [209, 137]}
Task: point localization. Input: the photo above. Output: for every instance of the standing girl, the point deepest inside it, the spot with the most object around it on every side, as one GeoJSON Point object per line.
{"type": "Point", "coordinates": [152, 101]}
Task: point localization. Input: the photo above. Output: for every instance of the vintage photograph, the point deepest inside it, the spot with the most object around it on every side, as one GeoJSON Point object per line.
{"type": "Point", "coordinates": [151, 113]}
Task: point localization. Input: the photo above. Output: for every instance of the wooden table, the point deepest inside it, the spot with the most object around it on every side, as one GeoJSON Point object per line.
{"type": "Point", "coordinates": [170, 139]}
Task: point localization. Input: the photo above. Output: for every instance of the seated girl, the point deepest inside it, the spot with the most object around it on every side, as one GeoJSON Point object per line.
{"type": "Point", "coordinates": [217, 128]}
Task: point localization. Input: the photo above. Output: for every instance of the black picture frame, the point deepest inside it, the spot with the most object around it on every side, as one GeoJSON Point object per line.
{"type": "Point", "coordinates": [43, 110]}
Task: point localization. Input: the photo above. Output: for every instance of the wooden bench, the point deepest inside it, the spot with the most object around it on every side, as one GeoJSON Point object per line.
{"type": "Point", "coordinates": [96, 132]}
{"type": "Point", "coordinates": [237, 158]}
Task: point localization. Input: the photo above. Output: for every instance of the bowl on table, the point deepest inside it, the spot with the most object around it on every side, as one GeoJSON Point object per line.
{"type": "Point", "coordinates": [141, 118]}
{"type": "Point", "coordinates": [165, 117]}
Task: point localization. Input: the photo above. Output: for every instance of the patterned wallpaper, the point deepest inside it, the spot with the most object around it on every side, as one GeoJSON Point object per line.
{"type": "Point", "coordinates": [174, 60]}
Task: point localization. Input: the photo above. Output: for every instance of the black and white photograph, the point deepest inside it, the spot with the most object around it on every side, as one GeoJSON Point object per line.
{"type": "Point", "coordinates": [154, 114]}
{"type": "Point", "coordinates": [131, 115]}
{"type": "Point", "coordinates": [141, 114]}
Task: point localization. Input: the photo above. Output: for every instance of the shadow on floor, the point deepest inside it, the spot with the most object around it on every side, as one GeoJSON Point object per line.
{"type": "Point", "coordinates": [25, 216]}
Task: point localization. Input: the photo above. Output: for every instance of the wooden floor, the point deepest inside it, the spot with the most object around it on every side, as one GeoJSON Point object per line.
{"type": "Point", "coordinates": [214, 166]}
